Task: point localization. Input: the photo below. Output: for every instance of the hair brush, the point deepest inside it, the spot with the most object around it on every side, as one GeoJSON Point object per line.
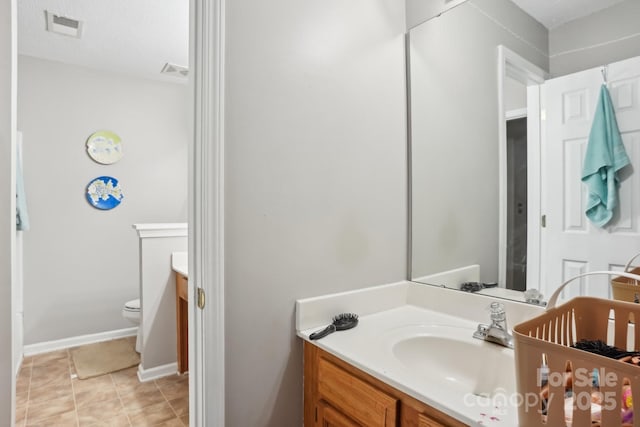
{"type": "Point", "coordinates": [340, 322]}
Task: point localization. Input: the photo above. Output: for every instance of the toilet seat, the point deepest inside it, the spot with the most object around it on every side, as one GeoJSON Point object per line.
{"type": "Point", "coordinates": [131, 312]}
{"type": "Point", "coordinates": [132, 306]}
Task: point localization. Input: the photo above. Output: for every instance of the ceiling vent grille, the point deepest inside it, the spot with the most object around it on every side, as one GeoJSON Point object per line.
{"type": "Point", "coordinates": [63, 25]}
{"type": "Point", "coordinates": [174, 70]}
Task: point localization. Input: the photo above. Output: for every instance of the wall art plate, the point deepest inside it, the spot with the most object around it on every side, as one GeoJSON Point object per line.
{"type": "Point", "coordinates": [104, 147]}
{"type": "Point", "coordinates": [104, 193]}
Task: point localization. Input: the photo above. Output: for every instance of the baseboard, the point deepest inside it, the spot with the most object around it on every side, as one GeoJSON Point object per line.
{"type": "Point", "coordinates": [145, 375]}
{"type": "Point", "coordinates": [45, 347]}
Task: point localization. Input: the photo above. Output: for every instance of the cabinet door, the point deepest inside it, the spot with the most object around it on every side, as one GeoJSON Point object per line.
{"type": "Point", "coordinates": [357, 399]}
{"type": "Point", "coordinates": [331, 417]}
{"type": "Point", "coordinates": [424, 421]}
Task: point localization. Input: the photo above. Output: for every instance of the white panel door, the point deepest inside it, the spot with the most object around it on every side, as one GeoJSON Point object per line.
{"type": "Point", "coordinates": [570, 243]}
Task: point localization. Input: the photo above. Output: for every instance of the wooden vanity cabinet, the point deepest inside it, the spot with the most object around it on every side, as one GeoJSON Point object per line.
{"type": "Point", "coordinates": [337, 394]}
{"type": "Point", "coordinates": [182, 323]}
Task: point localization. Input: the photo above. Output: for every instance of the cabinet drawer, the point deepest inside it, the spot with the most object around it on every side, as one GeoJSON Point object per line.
{"type": "Point", "coordinates": [330, 417]}
{"type": "Point", "coordinates": [424, 421]}
{"type": "Point", "coordinates": [359, 400]}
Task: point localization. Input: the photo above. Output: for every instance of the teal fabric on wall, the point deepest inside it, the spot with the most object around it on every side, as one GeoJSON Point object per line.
{"type": "Point", "coordinates": [22, 217]}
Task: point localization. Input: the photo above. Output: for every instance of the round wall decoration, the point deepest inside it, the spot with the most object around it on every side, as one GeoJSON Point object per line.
{"type": "Point", "coordinates": [104, 193]}
{"type": "Point", "coordinates": [104, 147]}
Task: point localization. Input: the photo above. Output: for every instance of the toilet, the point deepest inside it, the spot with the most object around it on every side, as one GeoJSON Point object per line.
{"type": "Point", "coordinates": [131, 311]}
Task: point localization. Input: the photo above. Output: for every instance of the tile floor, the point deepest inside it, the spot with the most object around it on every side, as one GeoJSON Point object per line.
{"type": "Point", "coordinates": [49, 394]}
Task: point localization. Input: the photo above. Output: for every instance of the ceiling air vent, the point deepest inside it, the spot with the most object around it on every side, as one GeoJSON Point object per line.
{"type": "Point", "coordinates": [174, 70]}
{"type": "Point", "coordinates": [63, 25]}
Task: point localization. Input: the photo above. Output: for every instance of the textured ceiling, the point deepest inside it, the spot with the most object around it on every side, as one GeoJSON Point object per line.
{"type": "Point", "coordinates": [127, 36]}
{"type": "Point", "coordinates": [553, 13]}
{"type": "Point", "coordinates": [140, 36]}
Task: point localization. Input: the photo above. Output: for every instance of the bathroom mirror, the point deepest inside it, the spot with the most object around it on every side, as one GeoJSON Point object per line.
{"type": "Point", "coordinates": [468, 67]}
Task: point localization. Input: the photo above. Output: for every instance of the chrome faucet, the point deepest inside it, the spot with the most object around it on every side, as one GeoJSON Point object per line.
{"type": "Point", "coordinates": [497, 332]}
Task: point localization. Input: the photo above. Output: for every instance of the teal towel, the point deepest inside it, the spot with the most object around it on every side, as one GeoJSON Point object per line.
{"type": "Point", "coordinates": [22, 217]}
{"type": "Point", "coordinates": [604, 158]}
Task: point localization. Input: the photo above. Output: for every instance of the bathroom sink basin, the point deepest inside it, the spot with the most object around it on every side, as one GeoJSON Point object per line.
{"type": "Point", "coordinates": [448, 355]}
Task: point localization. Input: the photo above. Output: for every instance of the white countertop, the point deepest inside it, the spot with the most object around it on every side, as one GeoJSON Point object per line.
{"type": "Point", "coordinates": [383, 312]}
{"type": "Point", "coordinates": [155, 230]}
{"type": "Point", "coordinates": [180, 263]}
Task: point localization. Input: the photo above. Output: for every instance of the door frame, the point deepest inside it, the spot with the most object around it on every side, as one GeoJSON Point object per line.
{"type": "Point", "coordinates": [206, 212]}
{"type": "Point", "coordinates": [512, 65]}
{"type": "Point", "coordinates": [8, 265]}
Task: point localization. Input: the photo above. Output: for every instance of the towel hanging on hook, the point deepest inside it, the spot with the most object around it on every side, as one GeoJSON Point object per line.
{"type": "Point", "coordinates": [604, 158]}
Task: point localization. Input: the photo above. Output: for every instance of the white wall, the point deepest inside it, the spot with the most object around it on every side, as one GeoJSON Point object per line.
{"type": "Point", "coordinates": [515, 95]}
{"type": "Point", "coordinates": [454, 131]}
{"type": "Point", "coordinates": [315, 180]}
{"type": "Point", "coordinates": [610, 35]}
{"type": "Point", "coordinates": [7, 212]}
{"type": "Point", "coordinates": [81, 264]}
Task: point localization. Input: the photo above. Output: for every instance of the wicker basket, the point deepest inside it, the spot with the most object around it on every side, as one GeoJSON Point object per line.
{"type": "Point", "coordinates": [624, 288]}
{"type": "Point", "coordinates": [549, 337]}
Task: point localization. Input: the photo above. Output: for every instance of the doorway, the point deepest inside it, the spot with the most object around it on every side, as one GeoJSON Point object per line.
{"type": "Point", "coordinates": [102, 304]}
{"type": "Point", "coordinates": [206, 213]}
{"type": "Point", "coordinates": [519, 77]}
{"type": "Point", "coordinates": [516, 278]}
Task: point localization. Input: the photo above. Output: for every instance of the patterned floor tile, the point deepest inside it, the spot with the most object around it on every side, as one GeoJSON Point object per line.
{"type": "Point", "coordinates": [49, 395]}
{"type": "Point", "coordinates": [151, 415]}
